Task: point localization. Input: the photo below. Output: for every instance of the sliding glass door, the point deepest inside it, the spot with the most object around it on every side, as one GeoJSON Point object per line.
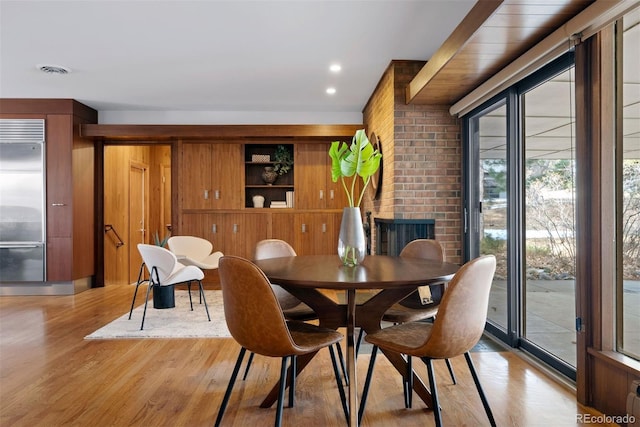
{"type": "Point", "coordinates": [519, 206]}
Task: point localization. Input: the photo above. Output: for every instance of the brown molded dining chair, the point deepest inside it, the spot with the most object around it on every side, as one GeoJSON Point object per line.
{"type": "Point", "coordinates": [412, 309]}
{"type": "Point", "coordinates": [258, 325]}
{"type": "Point", "coordinates": [292, 307]}
{"type": "Point", "coordinates": [456, 329]}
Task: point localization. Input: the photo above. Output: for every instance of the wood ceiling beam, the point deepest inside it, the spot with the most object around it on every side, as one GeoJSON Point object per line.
{"type": "Point", "coordinates": [216, 132]}
{"type": "Point", "coordinates": [480, 12]}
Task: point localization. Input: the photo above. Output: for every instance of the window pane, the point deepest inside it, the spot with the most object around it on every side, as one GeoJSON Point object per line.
{"type": "Point", "coordinates": [492, 130]}
{"type": "Point", "coordinates": [629, 180]}
{"type": "Point", "coordinates": [549, 305]}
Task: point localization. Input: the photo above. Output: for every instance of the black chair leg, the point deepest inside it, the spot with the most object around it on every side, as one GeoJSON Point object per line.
{"type": "Point", "coordinates": [146, 301]}
{"type": "Point", "coordinates": [434, 391]}
{"type": "Point", "coordinates": [476, 380]}
{"type": "Point", "coordinates": [343, 364]}
{"type": "Point", "coordinates": [246, 369]}
{"type": "Point", "coordinates": [189, 291]}
{"type": "Point", "coordinates": [232, 381]}
{"type": "Point", "coordinates": [206, 307]}
{"type": "Point", "coordinates": [293, 371]}
{"type": "Point", "coordinates": [450, 368]}
{"type": "Point", "coordinates": [138, 283]}
{"type": "Point", "coordinates": [359, 341]}
{"type": "Point", "coordinates": [408, 384]}
{"type": "Point", "coordinates": [336, 372]}
{"type": "Point", "coordinates": [367, 383]}
{"type": "Point", "coordinates": [283, 384]}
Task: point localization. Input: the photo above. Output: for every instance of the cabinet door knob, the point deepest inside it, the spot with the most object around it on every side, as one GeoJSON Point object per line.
{"type": "Point", "coordinates": [214, 228]}
{"type": "Point", "coordinates": [206, 194]}
{"type": "Point", "coordinates": [324, 228]}
{"type": "Point", "coordinates": [58, 204]}
{"type": "Point", "coordinates": [331, 194]}
{"type": "Point", "coordinates": [216, 194]}
{"type": "Point", "coordinates": [321, 194]}
{"type": "Point", "coordinates": [304, 228]}
{"type": "Point", "coordinates": [235, 228]}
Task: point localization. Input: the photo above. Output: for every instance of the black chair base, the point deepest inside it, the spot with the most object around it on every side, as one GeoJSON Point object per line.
{"type": "Point", "coordinates": [408, 387]}
{"type": "Point", "coordinates": [293, 367]}
{"type": "Point", "coordinates": [154, 284]}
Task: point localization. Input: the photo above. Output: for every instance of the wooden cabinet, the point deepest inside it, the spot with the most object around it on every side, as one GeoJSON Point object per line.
{"type": "Point", "coordinates": [310, 233]}
{"type": "Point", "coordinates": [70, 189]}
{"type": "Point", "coordinates": [232, 233]}
{"type": "Point", "coordinates": [219, 181]}
{"type": "Point", "coordinates": [314, 187]}
{"type": "Point", "coordinates": [211, 176]}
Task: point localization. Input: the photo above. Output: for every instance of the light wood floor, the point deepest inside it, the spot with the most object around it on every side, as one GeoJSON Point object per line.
{"type": "Point", "coordinates": [51, 376]}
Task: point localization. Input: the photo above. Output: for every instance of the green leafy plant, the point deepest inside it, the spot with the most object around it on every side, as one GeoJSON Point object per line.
{"type": "Point", "coordinates": [348, 162]}
{"type": "Point", "coordinates": [158, 242]}
{"type": "Point", "coordinates": [283, 160]}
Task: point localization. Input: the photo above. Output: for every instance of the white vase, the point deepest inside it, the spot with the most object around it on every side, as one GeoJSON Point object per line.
{"type": "Point", "coordinates": [352, 245]}
{"type": "Point", "coordinates": [258, 201]}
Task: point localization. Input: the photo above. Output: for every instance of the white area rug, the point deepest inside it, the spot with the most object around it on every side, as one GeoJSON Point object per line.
{"type": "Point", "coordinates": [178, 322]}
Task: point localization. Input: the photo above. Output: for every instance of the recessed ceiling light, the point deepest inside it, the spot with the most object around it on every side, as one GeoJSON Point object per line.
{"type": "Point", "coordinates": [53, 69]}
{"type": "Point", "coordinates": [331, 90]}
{"type": "Point", "coordinates": [335, 68]}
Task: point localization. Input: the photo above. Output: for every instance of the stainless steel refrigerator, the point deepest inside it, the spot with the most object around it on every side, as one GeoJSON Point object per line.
{"type": "Point", "coordinates": [22, 200]}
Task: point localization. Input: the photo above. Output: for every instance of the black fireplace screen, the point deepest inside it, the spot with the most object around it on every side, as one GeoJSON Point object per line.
{"type": "Point", "coordinates": [393, 234]}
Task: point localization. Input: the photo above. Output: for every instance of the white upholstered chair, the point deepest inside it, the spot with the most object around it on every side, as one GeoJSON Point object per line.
{"type": "Point", "coordinates": [192, 250]}
{"type": "Point", "coordinates": [165, 270]}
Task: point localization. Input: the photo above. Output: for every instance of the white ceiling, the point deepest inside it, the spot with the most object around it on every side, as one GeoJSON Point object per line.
{"type": "Point", "coordinates": [211, 62]}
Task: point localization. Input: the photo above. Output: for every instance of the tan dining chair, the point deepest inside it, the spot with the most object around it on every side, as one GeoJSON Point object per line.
{"type": "Point", "coordinates": [165, 270]}
{"type": "Point", "coordinates": [412, 309]}
{"type": "Point", "coordinates": [258, 324]}
{"type": "Point", "coordinates": [455, 331]}
{"type": "Point", "coordinates": [292, 307]}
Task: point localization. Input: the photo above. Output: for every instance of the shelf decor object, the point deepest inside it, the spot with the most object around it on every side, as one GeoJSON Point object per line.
{"type": "Point", "coordinates": [350, 161]}
{"type": "Point", "coordinates": [260, 158]}
{"type": "Point", "coordinates": [283, 160]}
{"type": "Point", "coordinates": [269, 175]}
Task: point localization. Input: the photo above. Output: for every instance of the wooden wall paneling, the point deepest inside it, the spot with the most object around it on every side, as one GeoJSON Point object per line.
{"type": "Point", "coordinates": [609, 388]}
{"type": "Point", "coordinates": [116, 259]}
{"type": "Point", "coordinates": [159, 190]}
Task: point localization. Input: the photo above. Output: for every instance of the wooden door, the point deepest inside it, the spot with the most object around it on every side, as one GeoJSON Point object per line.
{"type": "Point", "coordinates": [227, 176]}
{"type": "Point", "coordinates": [246, 230]}
{"type": "Point", "coordinates": [195, 175]}
{"type": "Point", "coordinates": [310, 176]}
{"type": "Point", "coordinates": [316, 233]}
{"type": "Point", "coordinates": [283, 227]}
{"type": "Point", "coordinates": [137, 217]}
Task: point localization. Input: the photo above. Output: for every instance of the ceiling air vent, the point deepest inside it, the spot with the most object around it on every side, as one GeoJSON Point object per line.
{"type": "Point", "coordinates": [54, 69]}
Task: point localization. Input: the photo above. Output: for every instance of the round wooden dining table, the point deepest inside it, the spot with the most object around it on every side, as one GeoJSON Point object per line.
{"type": "Point", "coordinates": [395, 277]}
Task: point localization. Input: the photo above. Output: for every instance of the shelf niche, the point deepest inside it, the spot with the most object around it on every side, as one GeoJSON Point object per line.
{"type": "Point", "coordinates": [254, 185]}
